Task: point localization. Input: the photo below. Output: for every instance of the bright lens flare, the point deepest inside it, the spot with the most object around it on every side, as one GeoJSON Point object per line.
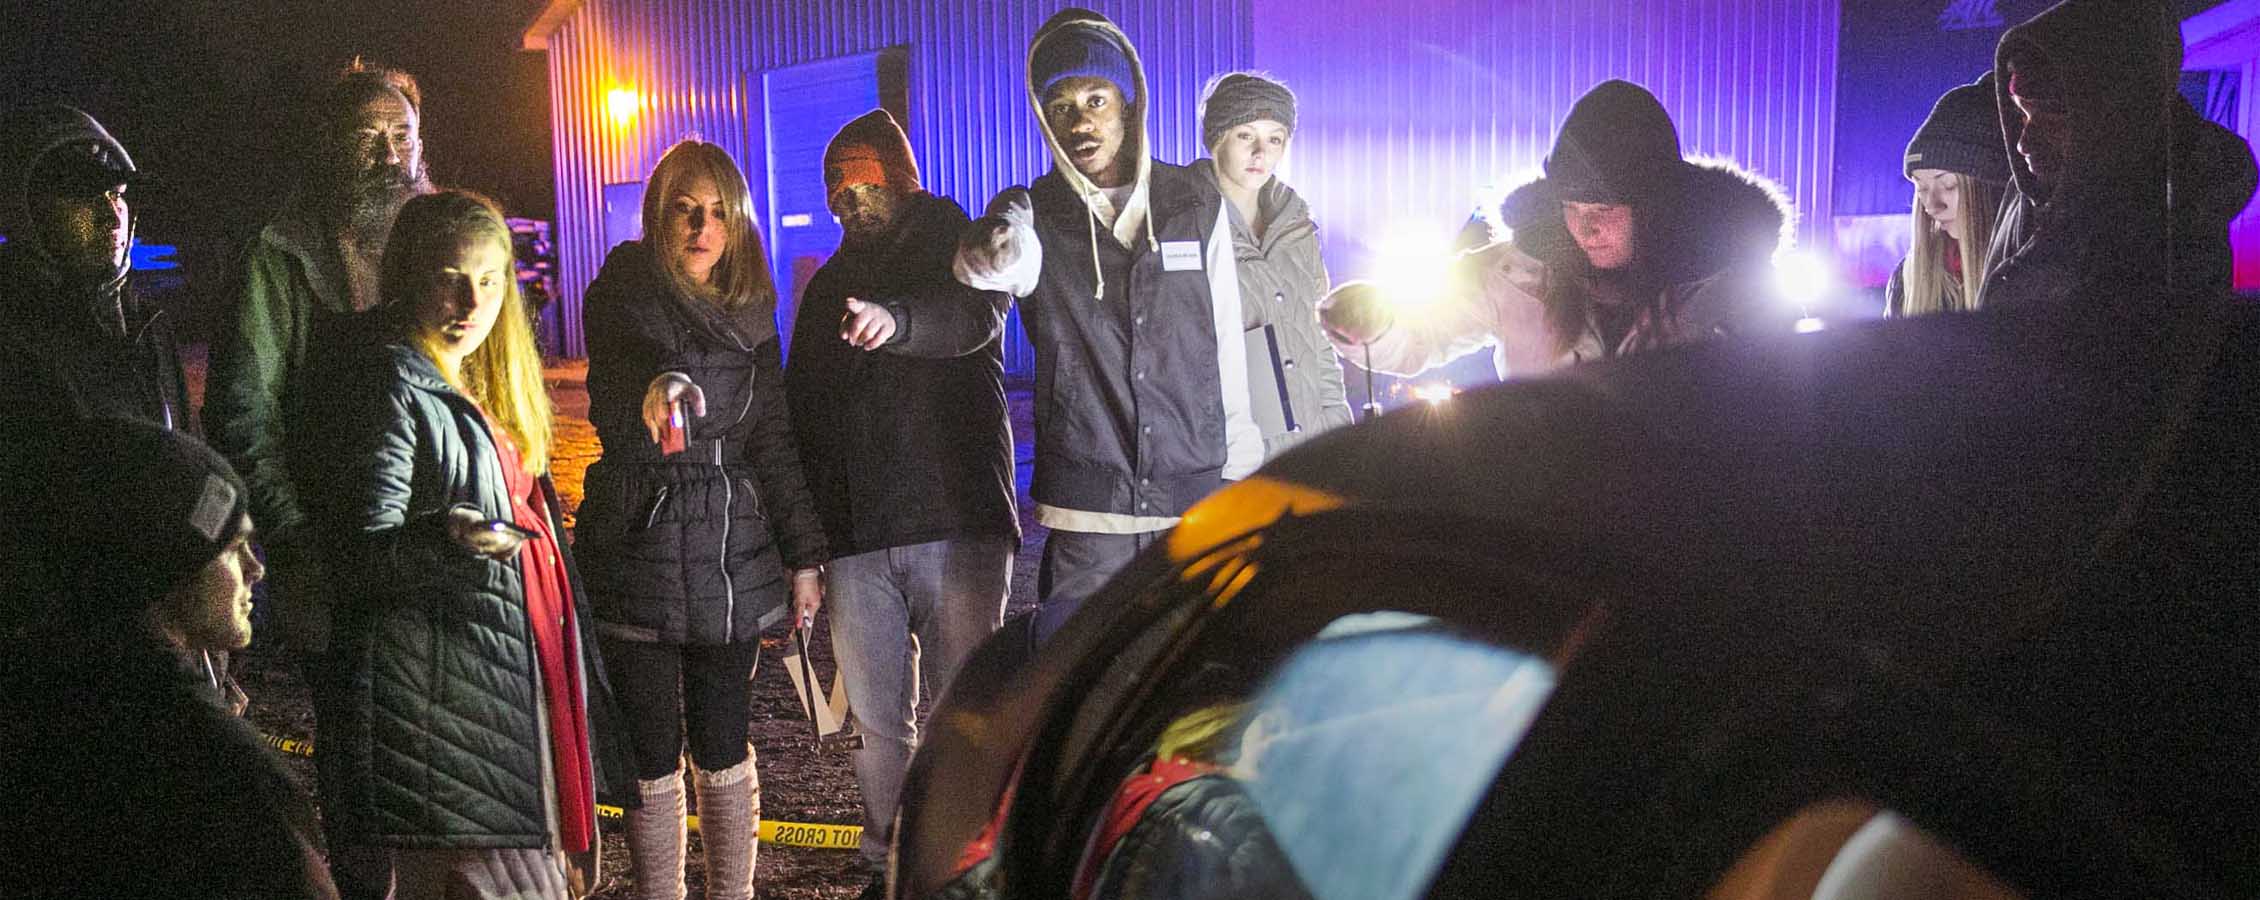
{"type": "Point", "coordinates": [622, 104]}
{"type": "Point", "coordinates": [1413, 272]}
{"type": "Point", "coordinates": [1803, 278]}
{"type": "Point", "coordinates": [1435, 393]}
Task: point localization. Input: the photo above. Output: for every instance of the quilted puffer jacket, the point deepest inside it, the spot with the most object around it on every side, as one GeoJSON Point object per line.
{"type": "Point", "coordinates": [444, 739]}
{"type": "Point", "coordinates": [694, 547]}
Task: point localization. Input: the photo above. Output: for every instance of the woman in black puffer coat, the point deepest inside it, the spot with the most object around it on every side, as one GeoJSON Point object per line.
{"type": "Point", "coordinates": [691, 554]}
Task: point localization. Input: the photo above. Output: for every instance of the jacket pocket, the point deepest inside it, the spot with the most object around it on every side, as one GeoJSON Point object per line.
{"type": "Point", "coordinates": [636, 575]}
{"type": "Point", "coordinates": [750, 496]}
{"type": "Point", "coordinates": [658, 503]}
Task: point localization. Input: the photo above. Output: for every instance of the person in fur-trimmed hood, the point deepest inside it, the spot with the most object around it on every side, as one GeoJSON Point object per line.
{"type": "Point", "coordinates": [1623, 246]}
{"type": "Point", "coordinates": [1142, 404]}
{"type": "Point", "coordinates": [2114, 180]}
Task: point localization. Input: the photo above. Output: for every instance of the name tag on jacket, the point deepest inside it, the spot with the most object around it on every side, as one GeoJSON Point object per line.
{"type": "Point", "coordinates": [1180, 256]}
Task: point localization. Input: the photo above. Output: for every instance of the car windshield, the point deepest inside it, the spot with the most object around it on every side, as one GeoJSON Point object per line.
{"type": "Point", "coordinates": [1348, 771]}
{"type": "Point", "coordinates": [1369, 747]}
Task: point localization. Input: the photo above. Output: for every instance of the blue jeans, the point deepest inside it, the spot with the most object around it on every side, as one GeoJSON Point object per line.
{"type": "Point", "coordinates": [1075, 565]}
{"type": "Point", "coordinates": [902, 617]}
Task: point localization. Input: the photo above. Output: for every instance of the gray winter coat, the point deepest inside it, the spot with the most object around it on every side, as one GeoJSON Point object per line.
{"type": "Point", "coordinates": [1282, 278]}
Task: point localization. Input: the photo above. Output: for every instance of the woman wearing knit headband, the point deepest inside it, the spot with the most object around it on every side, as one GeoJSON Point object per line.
{"type": "Point", "coordinates": [1247, 124]}
{"type": "Point", "coordinates": [1959, 165]}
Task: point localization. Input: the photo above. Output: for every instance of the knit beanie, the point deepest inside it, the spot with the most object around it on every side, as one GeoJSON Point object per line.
{"type": "Point", "coordinates": [870, 150]}
{"type": "Point", "coordinates": [1071, 52]}
{"type": "Point", "coordinates": [1617, 146]}
{"type": "Point", "coordinates": [1238, 98]}
{"type": "Point", "coordinates": [1963, 134]}
{"type": "Point", "coordinates": [134, 512]}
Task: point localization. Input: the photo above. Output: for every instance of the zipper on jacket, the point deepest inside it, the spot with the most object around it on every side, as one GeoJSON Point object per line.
{"type": "Point", "coordinates": [722, 556]}
{"type": "Point", "coordinates": [652, 518]}
{"type": "Point", "coordinates": [133, 340]}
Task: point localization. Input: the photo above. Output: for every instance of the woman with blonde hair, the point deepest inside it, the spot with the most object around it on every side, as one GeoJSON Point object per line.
{"type": "Point", "coordinates": [1248, 125]}
{"type": "Point", "coordinates": [1960, 166]}
{"type": "Point", "coordinates": [478, 738]}
{"type": "Point", "coordinates": [698, 529]}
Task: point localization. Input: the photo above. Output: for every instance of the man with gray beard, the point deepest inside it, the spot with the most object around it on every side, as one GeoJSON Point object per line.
{"type": "Point", "coordinates": [307, 273]}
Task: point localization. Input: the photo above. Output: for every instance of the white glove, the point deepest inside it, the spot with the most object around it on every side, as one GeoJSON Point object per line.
{"type": "Point", "coordinates": [998, 252]}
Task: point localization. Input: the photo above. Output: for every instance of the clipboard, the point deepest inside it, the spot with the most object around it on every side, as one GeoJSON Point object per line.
{"type": "Point", "coordinates": [1267, 382]}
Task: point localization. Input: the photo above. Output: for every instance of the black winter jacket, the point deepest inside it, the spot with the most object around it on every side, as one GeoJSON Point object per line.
{"type": "Point", "coordinates": [908, 444]}
{"type": "Point", "coordinates": [1203, 837]}
{"type": "Point", "coordinates": [443, 740]}
{"type": "Point", "coordinates": [692, 548]}
{"type": "Point", "coordinates": [84, 352]}
{"type": "Point", "coordinates": [128, 779]}
{"type": "Point", "coordinates": [2148, 194]}
{"type": "Point", "coordinates": [1129, 411]}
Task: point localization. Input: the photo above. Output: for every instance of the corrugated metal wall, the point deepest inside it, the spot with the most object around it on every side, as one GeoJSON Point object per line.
{"type": "Point", "coordinates": [696, 64]}
{"type": "Point", "coordinates": [1407, 116]}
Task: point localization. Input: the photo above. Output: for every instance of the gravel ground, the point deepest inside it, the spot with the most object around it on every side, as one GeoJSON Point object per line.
{"type": "Point", "coordinates": [799, 784]}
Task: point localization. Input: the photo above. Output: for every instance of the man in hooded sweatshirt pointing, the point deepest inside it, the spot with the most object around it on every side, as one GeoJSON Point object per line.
{"type": "Point", "coordinates": [1110, 256]}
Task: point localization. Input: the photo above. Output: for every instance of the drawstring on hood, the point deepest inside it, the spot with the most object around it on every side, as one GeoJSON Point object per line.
{"type": "Point", "coordinates": [1075, 24]}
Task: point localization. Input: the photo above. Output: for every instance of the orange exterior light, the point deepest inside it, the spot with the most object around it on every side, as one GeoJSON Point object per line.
{"type": "Point", "coordinates": [621, 104]}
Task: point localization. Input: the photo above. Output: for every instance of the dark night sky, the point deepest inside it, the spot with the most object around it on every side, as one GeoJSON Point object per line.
{"type": "Point", "coordinates": [205, 95]}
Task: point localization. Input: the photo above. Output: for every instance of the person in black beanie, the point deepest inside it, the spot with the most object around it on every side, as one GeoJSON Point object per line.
{"type": "Point", "coordinates": [127, 775]}
{"type": "Point", "coordinates": [1959, 167]}
{"type": "Point", "coordinates": [1623, 247]}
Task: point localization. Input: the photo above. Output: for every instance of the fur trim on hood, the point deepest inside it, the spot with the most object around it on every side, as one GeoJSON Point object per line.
{"type": "Point", "coordinates": [1718, 216]}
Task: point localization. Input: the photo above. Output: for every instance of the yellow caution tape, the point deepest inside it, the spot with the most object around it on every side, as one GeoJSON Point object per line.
{"type": "Point", "coordinates": [786, 834]}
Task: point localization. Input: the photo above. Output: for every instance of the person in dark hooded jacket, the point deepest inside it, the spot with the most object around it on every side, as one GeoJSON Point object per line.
{"type": "Point", "coordinates": [127, 775]}
{"type": "Point", "coordinates": [1112, 258]}
{"type": "Point", "coordinates": [896, 386]}
{"type": "Point", "coordinates": [1622, 247]}
{"type": "Point", "coordinates": [78, 342]}
{"type": "Point", "coordinates": [693, 552]}
{"type": "Point", "coordinates": [2115, 181]}
{"type": "Point", "coordinates": [75, 341]}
